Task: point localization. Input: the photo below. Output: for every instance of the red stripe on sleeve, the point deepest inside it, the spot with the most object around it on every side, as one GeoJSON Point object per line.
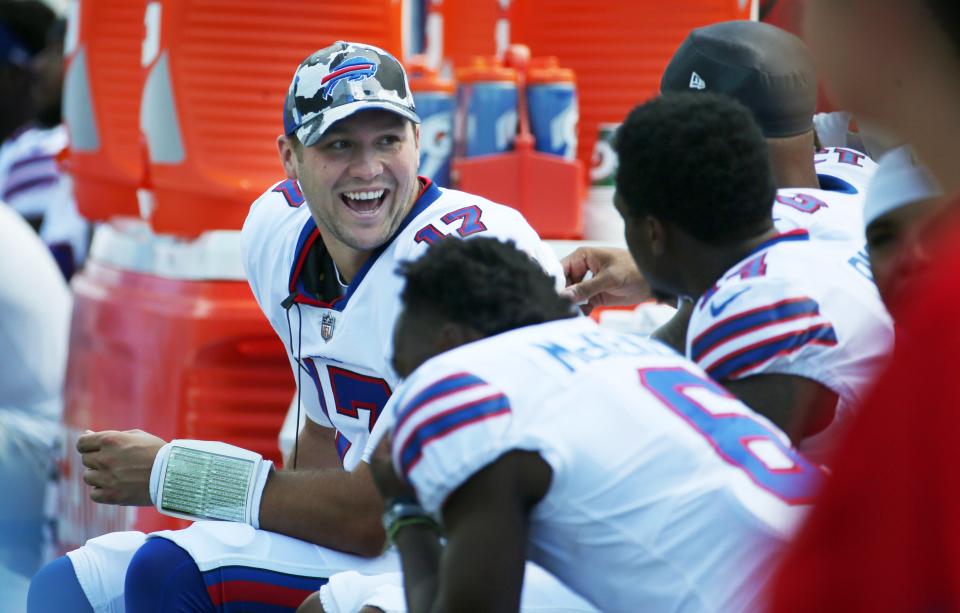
{"type": "Point", "coordinates": [252, 591]}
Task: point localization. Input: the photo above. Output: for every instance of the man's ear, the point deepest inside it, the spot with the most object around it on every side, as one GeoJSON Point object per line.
{"type": "Point", "coordinates": [288, 157]}
{"type": "Point", "coordinates": [656, 235]}
{"type": "Point", "coordinates": [452, 335]}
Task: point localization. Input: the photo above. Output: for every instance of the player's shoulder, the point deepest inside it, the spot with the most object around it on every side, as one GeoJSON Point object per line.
{"type": "Point", "coordinates": [449, 421]}
{"type": "Point", "coordinates": [789, 292]}
{"type": "Point", "coordinates": [806, 203]}
{"type": "Point", "coordinates": [280, 201]}
{"type": "Point", "coordinates": [488, 367]}
{"type": "Point", "coordinates": [745, 297]}
{"type": "Point", "coordinates": [31, 148]}
{"type": "Point", "coordinates": [810, 199]}
{"type": "Point", "coordinates": [843, 155]}
{"type": "Point", "coordinates": [745, 324]}
{"type": "Point", "coordinates": [760, 287]}
{"type": "Point", "coordinates": [273, 214]}
{"type": "Point", "coordinates": [826, 215]}
{"type": "Point", "coordinates": [845, 170]}
{"type": "Point", "coordinates": [453, 212]}
{"type": "Point", "coordinates": [769, 261]}
{"type": "Point", "coordinates": [278, 221]}
{"type": "Point", "coordinates": [448, 212]}
{"type": "Point", "coordinates": [35, 138]}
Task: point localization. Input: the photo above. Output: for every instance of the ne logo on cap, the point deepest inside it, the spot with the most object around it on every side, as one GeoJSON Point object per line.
{"type": "Point", "coordinates": [697, 82]}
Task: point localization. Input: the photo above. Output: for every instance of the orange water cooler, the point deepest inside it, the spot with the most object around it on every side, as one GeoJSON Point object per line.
{"type": "Point", "coordinates": [166, 335]}
{"type": "Point", "coordinates": [101, 105]}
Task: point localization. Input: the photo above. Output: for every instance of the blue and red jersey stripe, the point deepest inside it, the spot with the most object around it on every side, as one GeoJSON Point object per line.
{"type": "Point", "coordinates": [447, 386]}
{"type": "Point", "coordinates": [751, 321]}
{"type": "Point", "coordinates": [754, 355]}
{"type": "Point", "coordinates": [343, 445]}
{"type": "Point", "coordinates": [255, 590]}
{"type": "Point", "coordinates": [447, 422]}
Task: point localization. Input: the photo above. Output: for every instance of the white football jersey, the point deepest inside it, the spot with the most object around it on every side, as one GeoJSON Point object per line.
{"type": "Point", "coordinates": [824, 214]}
{"type": "Point", "coordinates": [667, 492]}
{"type": "Point", "coordinates": [28, 169]}
{"type": "Point", "coordinates": [34, 334]}
{"type": "Point", "coordinates": [835, 211]}
{"type": "Point", "coordinates": [797, 307]}
{"type": "Point", "coordinates": [347, 335]}
{"type": "Point", "coordinates": [32, 183]}
{"type": "Point", "coordinates": [844, 170]}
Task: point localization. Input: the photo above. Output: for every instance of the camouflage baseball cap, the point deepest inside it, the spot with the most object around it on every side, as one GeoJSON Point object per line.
{"type": "Point", "coordinates": [340, 80]}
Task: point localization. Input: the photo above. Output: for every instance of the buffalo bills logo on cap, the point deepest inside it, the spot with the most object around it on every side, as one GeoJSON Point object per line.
{"type": "Point", "coordinates": [337, 81]}
{"type": "Point", "coordinates": [354, 69]}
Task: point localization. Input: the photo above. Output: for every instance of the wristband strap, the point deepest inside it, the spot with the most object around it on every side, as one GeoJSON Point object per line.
{"type": "Point", "coordinates": [405, 511]}
{"type": "Point", "coordinates": [417, 520]}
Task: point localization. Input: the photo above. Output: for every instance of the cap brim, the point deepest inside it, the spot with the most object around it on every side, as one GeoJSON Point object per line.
{"type": "Point", "coordinates": [314, 130]}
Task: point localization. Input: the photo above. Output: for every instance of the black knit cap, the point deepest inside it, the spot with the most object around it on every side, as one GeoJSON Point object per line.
{"type": "Point", "coordinates": [767, 69]}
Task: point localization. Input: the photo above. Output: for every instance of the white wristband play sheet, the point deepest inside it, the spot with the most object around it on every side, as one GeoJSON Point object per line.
{"type": "Point", "coordinates": [209, 480]}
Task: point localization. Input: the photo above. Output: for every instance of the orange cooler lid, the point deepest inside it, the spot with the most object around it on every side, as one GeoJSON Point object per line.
{"type": "Point", "coordinates": [547, 70]}
{"type": "Point", "coordinates": [425, 79]}
{"type": "Point", "coordinates": [483, 69]}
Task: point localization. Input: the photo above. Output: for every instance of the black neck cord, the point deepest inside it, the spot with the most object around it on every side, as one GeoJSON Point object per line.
{"type": "Point", "coordinates": [287, 303]}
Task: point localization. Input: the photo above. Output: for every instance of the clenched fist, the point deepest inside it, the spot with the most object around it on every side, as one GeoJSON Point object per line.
{"type": "Point", "coordinates": [118, 465]}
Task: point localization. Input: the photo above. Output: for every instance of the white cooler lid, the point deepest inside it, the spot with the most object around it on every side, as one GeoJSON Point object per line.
{"type": "Point", "coordinates": [130, 244]}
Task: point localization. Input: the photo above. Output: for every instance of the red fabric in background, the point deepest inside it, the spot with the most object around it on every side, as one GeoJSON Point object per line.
{"type": "Point", "coordinates": [885, 533]}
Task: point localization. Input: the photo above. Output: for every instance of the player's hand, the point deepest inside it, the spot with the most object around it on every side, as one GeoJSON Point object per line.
{"type": "Point", "coordinates": [615, 282]}
{"type": "Point", "coordinates": [385, 477]}
{"type": "Point", "coordinates": [118, 465]}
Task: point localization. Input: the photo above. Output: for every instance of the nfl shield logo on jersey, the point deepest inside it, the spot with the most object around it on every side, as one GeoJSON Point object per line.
{"type": "Point", "coordinates": [326, 326]}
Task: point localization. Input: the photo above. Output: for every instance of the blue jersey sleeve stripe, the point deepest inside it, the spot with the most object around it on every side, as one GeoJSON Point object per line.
{"type": "Point", "coordinates": [444, 387]}
{"type": "Point", "coordinates": [749, 321]}
{"type": "Point", "coordinates": [308, 234]}
{"type": "Point", "coordinates": [315, 375]}
{"type": "Point", "coordinates": [752, 356]}
{"type": "Point", "coordinates": [446, 422]}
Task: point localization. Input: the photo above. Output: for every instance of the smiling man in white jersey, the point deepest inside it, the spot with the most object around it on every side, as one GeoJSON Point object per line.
{"type": "Point", "coordinates": [320, 250]}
